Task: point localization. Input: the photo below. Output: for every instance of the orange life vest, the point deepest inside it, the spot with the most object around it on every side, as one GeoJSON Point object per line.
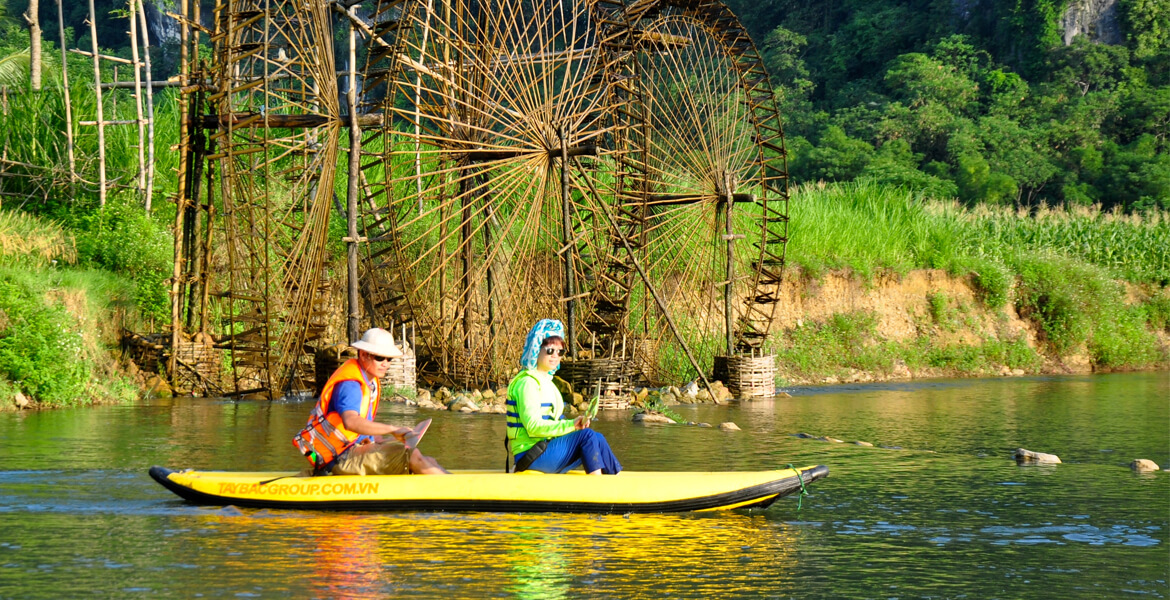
{"type": "Point", "coordinates": [325, 437]}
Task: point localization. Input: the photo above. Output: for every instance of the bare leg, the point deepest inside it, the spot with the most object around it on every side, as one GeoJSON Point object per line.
{"type": "Point", "coordinates": [425, 465]}
{"type": "Point", "coordinates": [596, 472]}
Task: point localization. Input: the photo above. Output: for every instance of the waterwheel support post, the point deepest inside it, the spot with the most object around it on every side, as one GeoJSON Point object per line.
{"type": "Point", "coordinates": [566, 239]}
{"type": "Point", "coordinates": [351, 194]}
{"type": "Point", "coordinates": [729, 288]}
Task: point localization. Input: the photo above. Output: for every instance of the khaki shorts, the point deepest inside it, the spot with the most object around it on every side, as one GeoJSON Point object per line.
{"type": "Point", "coordinates": [386, 458]}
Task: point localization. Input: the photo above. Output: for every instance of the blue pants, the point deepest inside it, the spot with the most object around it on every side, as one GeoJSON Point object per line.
{"type": "Point", "coordinates": [582, 447]}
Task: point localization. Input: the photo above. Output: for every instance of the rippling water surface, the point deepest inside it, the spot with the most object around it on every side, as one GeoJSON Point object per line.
{"type": "Point", "coordinates": [941, 511]}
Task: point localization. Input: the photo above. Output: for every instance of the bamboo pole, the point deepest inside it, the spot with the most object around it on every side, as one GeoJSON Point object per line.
{"type": "Point", "coordinates": [355, 147]}
{"type": "Point", "coordinates": [149, 105]}
{"type": "Point", "coordinates": [566, 239]}
{"type": "Point", "coordinates": [729, 289]}
{"type": "Point", "coordinates": [97, 88]}
{"type": "Point", "coordinates": [181, 196]}
{"type": "Point", "coordinates": [417, 117]}
{"type": "Point", "coordinates": [138, 98]}
{"type": "Point", "coordinates": [68, 104]}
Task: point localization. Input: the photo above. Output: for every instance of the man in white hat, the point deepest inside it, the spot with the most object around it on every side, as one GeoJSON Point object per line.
{"type": "Point", "coordinates": [342, 436]}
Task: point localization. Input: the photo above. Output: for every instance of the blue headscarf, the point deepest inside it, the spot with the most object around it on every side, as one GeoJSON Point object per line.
{"type": "Point", "coordinates": [544, 329]}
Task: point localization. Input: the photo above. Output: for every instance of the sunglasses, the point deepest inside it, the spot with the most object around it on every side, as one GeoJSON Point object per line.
{"type": "Point", "coordinates": [554, 351]}
{"type": "Point", "coordinates": [376, 358]}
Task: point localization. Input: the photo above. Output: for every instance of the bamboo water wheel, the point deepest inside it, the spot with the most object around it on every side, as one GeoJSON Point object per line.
{"type": "Point", "coordinates": [715, 221]}
{"type": "Point", "coordinates": [261, 143]}
{"type": "Point", "coordinates": [509, 161]}
{"type": "Point", "coordinates": [498, 144]}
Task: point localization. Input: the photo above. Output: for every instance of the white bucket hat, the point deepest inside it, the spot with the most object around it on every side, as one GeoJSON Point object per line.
{"type": "Point", "coordinates": [378, 341]}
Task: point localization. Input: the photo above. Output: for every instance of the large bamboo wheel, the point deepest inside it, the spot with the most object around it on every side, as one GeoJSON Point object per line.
{"type": "Point", "coordinates": [256, 253]}
{"type": "Point", "coordinates": [715, 210]}
{"type": "Point", "coordinates": [495, 152]}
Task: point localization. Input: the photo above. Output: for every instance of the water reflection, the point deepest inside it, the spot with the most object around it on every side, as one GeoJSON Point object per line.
{"type": "Point", "coordinates": [528, 556]}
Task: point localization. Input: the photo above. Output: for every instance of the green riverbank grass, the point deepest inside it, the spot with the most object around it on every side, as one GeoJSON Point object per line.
{"type": "Point", "coordinates": [1061, 269]}
{"type": "Point", "coordinates": [849, 341]}
{"type": "Point", "coordinates": [58, 322]}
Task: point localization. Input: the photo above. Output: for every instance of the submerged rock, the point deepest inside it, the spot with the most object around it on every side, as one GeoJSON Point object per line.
{"type": "Point", "coordinates": [729, 426]}
{"type": "Point", "coordinates": [825, 438]}
{"type": "Point", "coordinates": [860, 443]}
{"type": "Point", "coordinates": [1143, 465]}
{"type": "Point", "coordinates": [650, 417]}
{"type": "Point", "coordinates": [461, 402]}
{"type": "Point", "coordinates": [803, 435]}
{"type": "Point", "coordinates": [1024, 456]}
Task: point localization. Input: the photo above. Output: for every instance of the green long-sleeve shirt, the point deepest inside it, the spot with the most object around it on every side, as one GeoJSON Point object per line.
{"type": "Point", "coordinates": [534, 409]}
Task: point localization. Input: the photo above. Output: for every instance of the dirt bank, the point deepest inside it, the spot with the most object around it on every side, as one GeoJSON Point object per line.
{"type": "Point", "coordinates": [925, 308]}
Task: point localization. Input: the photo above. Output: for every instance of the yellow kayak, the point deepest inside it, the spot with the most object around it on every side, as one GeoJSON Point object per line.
{"type": "Point", "coordinates": [493, 491]}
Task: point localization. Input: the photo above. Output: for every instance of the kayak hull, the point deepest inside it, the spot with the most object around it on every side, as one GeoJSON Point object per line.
{"type": "Point", "coordinates": [482, 491]}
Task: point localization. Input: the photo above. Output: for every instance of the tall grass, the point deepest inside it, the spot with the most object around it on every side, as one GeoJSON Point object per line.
{"type": "Point", "coordinates": [868, 227]}
{"type": "Point", "coordinates": [30, 240]}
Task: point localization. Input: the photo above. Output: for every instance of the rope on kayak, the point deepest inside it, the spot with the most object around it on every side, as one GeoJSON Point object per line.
{"type": "Point", "coordinates": [803, 492]}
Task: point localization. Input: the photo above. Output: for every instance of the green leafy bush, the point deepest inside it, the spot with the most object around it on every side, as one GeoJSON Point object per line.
{"type": "Point", "coordinates": [40, 348]}
{"type": "Point", "coordinates": [122, 238]}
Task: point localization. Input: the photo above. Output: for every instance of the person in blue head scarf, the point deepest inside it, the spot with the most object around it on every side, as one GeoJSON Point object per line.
{"type": "Point", "coordinates": [538, 437]}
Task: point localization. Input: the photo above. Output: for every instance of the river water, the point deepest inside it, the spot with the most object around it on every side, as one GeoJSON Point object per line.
{"type": "Point", "coordinates": [941, 512]}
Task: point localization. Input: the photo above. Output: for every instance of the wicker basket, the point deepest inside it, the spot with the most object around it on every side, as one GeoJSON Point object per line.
{"type": "Point", "coordinates": [402, 372]}
{"type": "Point", "coordinates": [199, 366]}
{"type": "Point", "coordinates": [613, 376]}
{"type": "Point", "coordinates": [746, 375]}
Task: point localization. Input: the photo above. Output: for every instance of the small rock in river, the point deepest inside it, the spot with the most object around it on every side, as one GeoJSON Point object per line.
{"type": "Point", "coordinates": [1142, 465]}
{"type": "Point", "coordinates": [807, 436]}
{"type": "Point", "coordinates": [1029, 457]}
{"type": "Point", "coordinates": [649, 417]}
{"type": "Point", "coordinates": [860, 443]}
{"type": "Point", "coordinates": [729, 426]}
{"type": "Point", "coordinates": [825, 438]}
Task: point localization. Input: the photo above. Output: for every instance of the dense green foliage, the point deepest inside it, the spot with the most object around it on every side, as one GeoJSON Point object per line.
{"type": "Point", "coordinates": [54, 316]}
{"type": "Point", "coordinates": [979, 100]}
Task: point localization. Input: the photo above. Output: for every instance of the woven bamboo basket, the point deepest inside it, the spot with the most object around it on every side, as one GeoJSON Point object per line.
{"type": "Point", "coordinates": [747, 376]}
{"type": "Point", "coordinates": [613, 376]}
{"type": "Point", "coordinates": [199, 369]}
{"type": "Point", "coordinates": [402, 373]}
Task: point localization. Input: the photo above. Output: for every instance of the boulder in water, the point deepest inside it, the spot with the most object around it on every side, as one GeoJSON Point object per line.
{"type": "Point", "coordinates": [1143, 465]}
{"type": "Point", "coordinates": [1024, 456]}
{"type": "Point", "coordinates": [651, 417]}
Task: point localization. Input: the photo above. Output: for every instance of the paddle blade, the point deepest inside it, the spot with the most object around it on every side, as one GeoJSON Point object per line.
{"type": "Point", "coordinates": [416, 434]}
